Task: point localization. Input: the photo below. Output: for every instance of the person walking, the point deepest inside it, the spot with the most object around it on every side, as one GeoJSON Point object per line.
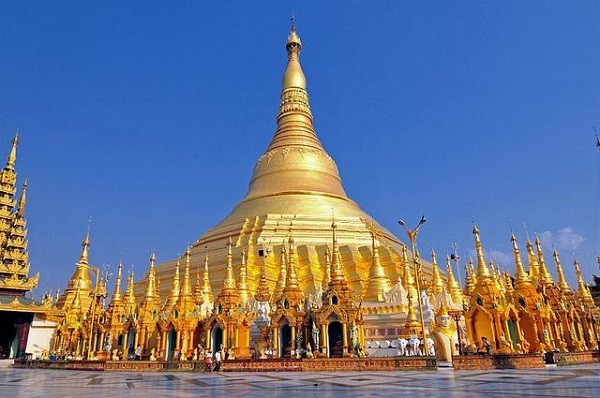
{"type": "Point", "coordinates": [138, 353]}
{"type": "Point", "coordinates": [218, 357]}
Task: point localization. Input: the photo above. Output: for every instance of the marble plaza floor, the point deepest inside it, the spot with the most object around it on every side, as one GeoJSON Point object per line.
{"type": "Point", "coordinates": [566, 382]}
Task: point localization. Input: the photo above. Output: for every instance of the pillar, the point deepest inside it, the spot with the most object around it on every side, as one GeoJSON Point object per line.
{"type": "Point", "coordinates": [345, 337]}
{"type": "Point", "coordinates": [324, 340]}
{"type": "Point", "coordinates": [178, 340]}
{"type": "Point", "coordinates": [276, 341]}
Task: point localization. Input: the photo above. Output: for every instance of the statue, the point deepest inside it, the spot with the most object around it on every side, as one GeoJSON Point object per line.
{"type": "Point", "coordinates": [153, 355]}
{"type": "Point", "coordinates": [309, 353]}
{"type": "Point", "coordinates": [444, 335]}
{"type": "Point", "coordinates": [505, 345]}
{"type": "Point", "coordinates": [231, 354]}
{"type": "Point", "coordinates": [354, 335]}
{"type": "Point", "coordinates": [430, 346]}
{"type": "Point", "coordinates": [414, 345]}
{"type": "Point", "coordinates": [195, 354]}
{"type": "Point", "coordinates": [315, 334]}
{"type": "Point", "coordinates": [115, 354]}
{"type": "Point", "coordinates": [402, 350]}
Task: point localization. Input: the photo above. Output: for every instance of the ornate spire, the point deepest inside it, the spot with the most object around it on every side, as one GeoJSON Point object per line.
{"type": "Point", "coordinates": [291, 281]}
{"type": "Point", "coordinates": [281, 280]}
{"type": "Point", "coordinates": [562, 281]}
{"type": "Point", "coordinates": [295, 160]}
{"type": "Point", "coordinates": [186, 289]}
{"type": "Point", "coordinates": [207, 293]}
{"type": "Point", "coordinates": [452, 285]}
{"type": "Point", "coordinates": [22, 201]}
{"type": "Point", "coordinates": [262, 292]}
{"type": "Point", "coordinates": [534, 267]}
{"type": "Point", "coordinates": [175, 287]}
{"type": "Point", "coordinates": [521, 277]}
{"type": "Point", "coordinates": [150, 293]}
{"type": "Point", "coordinates": [470, 280]}
{"type": "Point", "coordinates": [378, 282]}
{"type": "Point", "coordinates": [85, 247]}
{"type": "Point", "coordinates": [243, 283]}
{"type": "Point", "coordinates": [436, 280]}
{"type": "Point", "coordinates": [129, 297]}
{"type": "Point", "coordinates": [327, 273]}
{"type": "Point", "coordinates": [229, 285]}
{"type": "Point", "coordinates": [337, 273]}
{"type": "Point", "coordinates": [545, 278]}
{"type": "Point", "coordinates": [583, 290]}
{"type": "Point", "coordinates": [198, 286]}
{"type": "Point", "coordinates": [482, 269]}
{"type": "Point", "coordinates": [12, 156]}
{"type": "Point", "coordinates": [117, 293]}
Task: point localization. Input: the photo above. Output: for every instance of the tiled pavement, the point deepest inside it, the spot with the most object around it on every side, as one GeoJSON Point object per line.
{"type": "Point", "coordinates": [577, 381]}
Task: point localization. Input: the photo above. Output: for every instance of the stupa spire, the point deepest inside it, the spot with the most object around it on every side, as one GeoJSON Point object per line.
{"type": "Point", "coordinates": [229, 284]}
{"type": "Point", "coordinates": [583, 290]}
{"type": "Point", "coordinates": [483, 271]}
{"type": "Point", "coordinates": [117, 293]}
{"type": "Point", "coordinates": [186, 289]}
{"type": "Point", "coordinates": [175, 286]}
{"type": "Point", "coordinates": [281, 279]}
{"type": "Point", "coordinates": [22, 201]}
{"type": "Point", "coordinates": [452, 285]}
{"type": "Point", "coordinates": [262, 292]}
{"type": "Point", "coordinates": [243, 280]}
{"type": "Point", "coordinates": [337, 273]}
{"type": "Point", "coordinates": [544, 278]}
{"type": "Point", "coordinates": [534, 267]}
{"type": "Point", "coordinates": [295, 160]}
{"type": "Point", "coordinates": [521, 277]}
{"type": "Point", "coordinates": [562, 281]}
{"type": "Point", "coordinates": [129, 297]}
{"type": "Point", "coordinates": [378, 282]}
{"type": "Point", "coordinates": [150, 293]}
{"type": "Point", "coordinates": [437, 283]}
{"type": "Point", "coordinates": [291, 282]}
{"type": "Point", "coordinates": [12, 156]}
{"type": "Point", "coordinates": [207, 293]}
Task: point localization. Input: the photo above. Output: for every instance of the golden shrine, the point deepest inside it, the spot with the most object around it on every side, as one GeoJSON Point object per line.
{"type": "Point", "coordinates": [298, 269]}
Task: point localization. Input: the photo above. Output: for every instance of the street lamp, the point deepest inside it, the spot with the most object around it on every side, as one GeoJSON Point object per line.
{"type": "Point", "coordinates": [412, 237]}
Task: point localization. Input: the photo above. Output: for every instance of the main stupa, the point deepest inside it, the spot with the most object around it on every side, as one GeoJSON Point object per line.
{"type": "Point", "coordinates": [295, 191]}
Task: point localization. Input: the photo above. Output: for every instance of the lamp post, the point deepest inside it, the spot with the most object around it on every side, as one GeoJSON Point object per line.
{"type": "Point", "coordinates": [412, 237]}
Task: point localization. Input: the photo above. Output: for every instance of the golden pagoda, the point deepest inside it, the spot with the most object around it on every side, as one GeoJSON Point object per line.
{"type": "Point", "coordinates": [294, 182]}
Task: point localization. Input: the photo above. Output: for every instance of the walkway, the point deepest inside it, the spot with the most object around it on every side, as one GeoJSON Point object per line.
{"type": "Point", "coordinates": [576, 381]}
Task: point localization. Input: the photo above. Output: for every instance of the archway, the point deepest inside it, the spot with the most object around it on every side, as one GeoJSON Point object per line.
{"type": "Point", "coordinates": [512, 330]}
{"type": "Point", "coordinates": [216, 338]}
{"type": "Point", "coordinates": [285, 341]}
{"type": "Point", "coordinates": [336, 339]}
{"type": "Point", "coordinates": [171, 337]}
{"type": "Point", "coordinates": [527, 325]}
{"type": "Point", "coordinates": [482, 327]}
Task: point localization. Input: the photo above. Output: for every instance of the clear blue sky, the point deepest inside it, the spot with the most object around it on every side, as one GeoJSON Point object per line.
{"type": "Point", "coordinates": [150, 116]}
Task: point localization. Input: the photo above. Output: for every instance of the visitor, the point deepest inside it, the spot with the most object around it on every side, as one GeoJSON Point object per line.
{"type": "Point", "coordinates": [138, 353]}
{"type": "Point", "coordinates": [207, 361]}
{"type": "Point", "coordinates": [218, 357]}
{"type": "Point", "coordinates": [486, 346]}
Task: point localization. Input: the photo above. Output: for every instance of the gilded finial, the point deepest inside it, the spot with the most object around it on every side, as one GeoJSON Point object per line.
{"type": "Point", "coordinates": [482, 269]}
{"type": "Point", "coordinates": [545, 278]}
{"type": "Point", "coordinates": [12, 156]}
{"type": "Point", "coordinates": [521, 277]}
{"type": "Point", "coordinates": [117, 293]}
{"type": "Point", "coordinates": [22, 201]}
{"type": "Point", "coordinates": [562, 281]}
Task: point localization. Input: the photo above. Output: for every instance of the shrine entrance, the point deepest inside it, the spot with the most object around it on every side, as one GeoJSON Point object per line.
{"type": "Point", "coordinates": [216, 338]}
{"type": "Point", "coordinates": [336, 340]}
{"type": "Point", "coordinates": [14, 333]}
{"type": "Point", "coordinates": [285, 345]}
{"type": "Point", "coordinates": [171, 337]}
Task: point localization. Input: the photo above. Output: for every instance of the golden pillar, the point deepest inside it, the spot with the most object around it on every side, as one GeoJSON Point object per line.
{"type": "Point", "coordinates": [345, 337]}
